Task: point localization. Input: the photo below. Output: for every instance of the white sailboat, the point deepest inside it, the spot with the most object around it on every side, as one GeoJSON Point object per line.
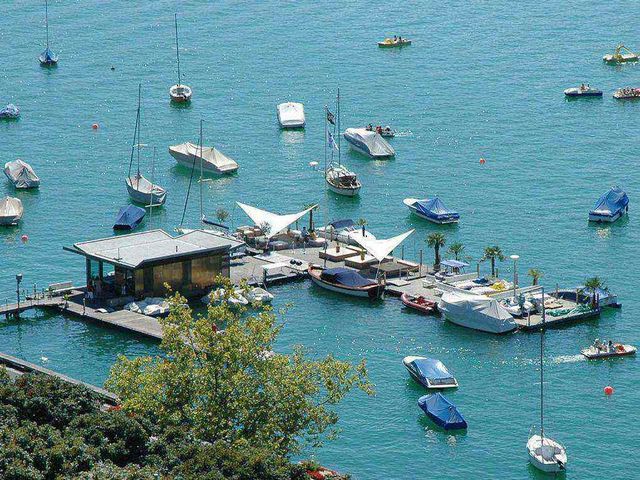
{"type": "Point", "coordinates": [339, 178]}
{"type": "Point", "coordinates": [47, 58]}
{"type": "Point", "coordinates": [140, 189]}
{"type": "Point", "coordinates": [545, 453]}
{"type": "Point", "coordinates": [179, 93]}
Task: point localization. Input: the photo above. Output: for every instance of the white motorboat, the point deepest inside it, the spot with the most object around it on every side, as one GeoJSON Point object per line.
{"type": "Point", "coordinates": [233, 298]}
{"type": "Point", "coordinates": [179, 93]}
{"type": "Point", "coordinates": [258, 295]}
{"type": "Point", "coordinates": [368, 143]}
{"type": "Point", "coordinates": [344, 231]}
{"type": "Point", "coordinates": [429, 372]}
{"type": "Point", "coordinates": [583, 91]}
{"type": "Point", "coordinates": [21, 174]}
{"type": "Point", "coordinates": [209, 158]}
{"type": "Point", "coordinates": [546, 454]}
{"type": "Point", "coordinates": [140, 189]}
{"type": "Point", "coordinates": [11, 211]}
{"type": "Point", "coordinates": [604, 351]}
{"type": "Point", "coordinates": [477, 312]}
{"type": "Point", "coordinates": [291, 115]}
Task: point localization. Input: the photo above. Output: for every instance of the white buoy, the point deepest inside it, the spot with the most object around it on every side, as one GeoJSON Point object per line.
{"type": "Point", "coordinates": [313, 164]}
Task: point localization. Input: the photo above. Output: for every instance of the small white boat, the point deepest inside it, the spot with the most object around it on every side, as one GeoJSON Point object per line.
{"type": "Point", "coordinates": [21, 174]}
{"type": "Point", "coordinates": [258, 295]}
{"type": "Point", "coordinates": [385, 132]}
{"type": "Point", "coordinates": [11, 211]}
{"type": "Point", "coordinates": [394, 42]}
{"type": "Point", "coordinates": [368, 143]}
{"type": "Point", "coordinates": [342, 181]}
{"type": "Point", "coordinates": [220, 294]}
{"type": "Point", "coordinates": [619, 57]}
{"type": "Point", "coordinates": [627, 93]}
{"type": "Point", "coordinates": [603, 351]}
{"type": "Point", "coordinates": [179, 92]}
{"type": "Point", "coordinates": [212, 160]}
{"type": "Point", "coordinates": [144, 192]}
{"type": "Point", "coordinates": [291, 115]}
{"type": "Point", "coordinates": [546, 454]}
{"type": "Point", "coordinates": [583, 91]}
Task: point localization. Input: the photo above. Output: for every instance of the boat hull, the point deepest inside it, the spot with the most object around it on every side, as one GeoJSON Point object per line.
{"type": "Point", "coordinates": [146, 199]}
{"type": "Point", "coordinates": [394, 45]}
{"type": "Point", "coordinates": [593, 217]}
{"type": "Point", "coordinates": [180, 93]}
{"type": "Point", "coordinates": [10, 220]}
{"type": "Point", "coordinates": [357, 147]}
{"type": "Point", "coordinates": [555, 465]}
{"type": "Point", "coordinates": [592, 354]}
{"type": "Point", "coordinates": [346, 192]}
{"type": "Point", "coordinates": [427, 309]}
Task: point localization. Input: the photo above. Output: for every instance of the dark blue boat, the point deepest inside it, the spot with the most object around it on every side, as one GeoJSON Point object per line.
{"type": "Point", "coordinates": [429, 372]}
{"type": "Point", "coordinates": [442, 412]}
{"type": "Point", "coordinates": [610, 206]}
{"type": "Point", "coordinates": [432, 209]}
{"type": "Point", "coordinates": [129, 217]}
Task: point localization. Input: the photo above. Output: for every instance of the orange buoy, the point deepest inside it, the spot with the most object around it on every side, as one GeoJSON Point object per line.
{"type": "Point", "coordinates": [482, 161]}
{"type": "Point", "coordinates": [24, 238]}
{"type": "Point", "coordinates": [608, 390]}
{"type": "Point", "coordinates": [94, 126]}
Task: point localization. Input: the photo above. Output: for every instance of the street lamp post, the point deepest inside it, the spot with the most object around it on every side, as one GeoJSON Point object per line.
{"type": "Point", "coordinates": [515, 274]}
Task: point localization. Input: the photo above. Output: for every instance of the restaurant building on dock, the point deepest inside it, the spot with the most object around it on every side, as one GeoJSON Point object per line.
{"type": "Point", "coordinates": [140, 264]}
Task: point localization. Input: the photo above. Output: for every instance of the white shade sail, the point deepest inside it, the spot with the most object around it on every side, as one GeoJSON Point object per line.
{"type": "Point", "coordinates": [381, 248]}
{"type": "Point", "coordinates": [277, 223]}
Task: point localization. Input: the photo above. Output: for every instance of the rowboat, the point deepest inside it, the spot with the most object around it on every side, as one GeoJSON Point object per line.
{"type": "Point", "coordinates": [419, 303]}
{"type": "Point", "coordinates": [394, 42]}
{"type": "Point", "coordinates": [346, 281]}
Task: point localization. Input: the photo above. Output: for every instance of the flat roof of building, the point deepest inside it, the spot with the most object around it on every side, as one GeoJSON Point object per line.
{"type": "Point", "coordinates": [136, 249]}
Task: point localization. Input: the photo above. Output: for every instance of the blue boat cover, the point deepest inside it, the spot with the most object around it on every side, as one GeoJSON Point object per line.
{"type": "Point", "coordinates": [434, 208]}
{"type": "Point", "coordinates": [340, 224]}
{"type": "Point", "coordinates": [129, 217]}
{"type": "Point", "coordinates": [610, 203]}
{"type": "Point", "coordinates": [48, 56]}
{"type": "Point", "coordinates": [442, 411]}
{"type": "Point", "coordinates": [346, 277]}
{"type": "Point", "coordinates": [10, 111]}
{"type": "Point", "coordinates": [432, 369]}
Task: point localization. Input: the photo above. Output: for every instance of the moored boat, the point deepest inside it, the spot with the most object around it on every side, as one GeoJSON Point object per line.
{"type": "Point", "coordinates": [619, 57]}
{"type": "Point", "coordinates": [432, 209]}
{"type": "Point", "coordinates": [627, 93]}
{"type": "Point", "coordinates": [346, 281]}
{"type": "Point", "coordinates": [258, 295]}
{"type": "Point", "coordinates": [583, 91]}
{"type": "Point", "coordinates": [599, 350]}
{"type": "Point", "coordinates": [291, 115]}
{"type": "Point", "coordinates": [344, 231]}
{"type": "Point", "coordinates": [10, 112]}
{"type": "Point", "coordinates": [129, 217]}
{"type": "Point", "coordinates": [419, 303]}
{"type": "Point", "coordinates": [610, 206]}
{"type": "Point", "coordinates": [385, 132]}
{"type": "Point", "coordinates": [342, 181]}
{"type": "Point", "coordinates": [212, 160]}
{"type": "Point", "coordinates": [11, 211]}
{"type": "Point", "coordinates": [21, 174]}
{"type": "Point", "coordinates": [179, 93]}
{"type": "Point", "coordinates": [368, 143]}
{"type": "Point", "coordinates": [442, 412]}
{"type": "Point", "coordinates": [476, 312]}
{"type": "Point", "coordinates": [394, 42]}
{"type": "Point", "coordinates": [429, 372]}
{"type": "Point", "coordinates": [546, 454]}
{"type": "Point", "coordinates": [47, 58]}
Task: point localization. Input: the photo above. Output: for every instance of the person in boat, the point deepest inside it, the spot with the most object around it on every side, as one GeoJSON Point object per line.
{"type": "Point", "coordinates": [395, 38]}
{"type": "Point", "coordinates": [611, 347]}
{"type": "Point", "coordinates": [370, 127]}
{"type": "Point", "coordinates": [598, 345]}
{"type": "Point", "coordinates": [379, 130]}
{"type": "Point", "coordinates": [399, 39]}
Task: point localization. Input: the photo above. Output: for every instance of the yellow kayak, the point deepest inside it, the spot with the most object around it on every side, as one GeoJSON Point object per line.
{"type": "Point", "coordinates": [390, 42]}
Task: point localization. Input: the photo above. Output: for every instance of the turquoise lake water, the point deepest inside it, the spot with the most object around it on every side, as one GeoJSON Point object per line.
{"type": "Point", "coordinates": [480, 80]}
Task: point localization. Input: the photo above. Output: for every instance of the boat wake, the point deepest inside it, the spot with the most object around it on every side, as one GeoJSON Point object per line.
{"type": "Point", "coordinates": [568, 359]}
{"type": "Point", "coordinates": [407, 133]}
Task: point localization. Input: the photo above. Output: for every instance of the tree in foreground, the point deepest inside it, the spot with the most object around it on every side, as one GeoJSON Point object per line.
{"type": "Point", "coordinates": [221, 380]}
{"type": "Point", "coordinates": [436, 240]}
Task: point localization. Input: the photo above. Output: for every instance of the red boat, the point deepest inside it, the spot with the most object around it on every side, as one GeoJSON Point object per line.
{"type": "Point", "coordinates": [419, 303]}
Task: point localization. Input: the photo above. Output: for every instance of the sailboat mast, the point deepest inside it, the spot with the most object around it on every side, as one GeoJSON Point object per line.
{"type": "Point", "coordinates": [46, 19]}
{"type": "Point", "coordinates": [339, 131]}
{"type": "Point", "coordinates": [153, 165]}
{"type": "Point", "coordinates": [177, 50]}
{"type": "Point", "coordinates": [542, 373]}
{"type": "Point", "coordinates": [201, 204]}
{"type": "Point", "coordinates": [326, 132]}
{"type": "Point", "coordinates": [139, 127]}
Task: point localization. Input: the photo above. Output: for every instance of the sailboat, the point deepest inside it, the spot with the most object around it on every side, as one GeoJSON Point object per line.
{"type": "Point", "coordinates": [179, 93]}
{"type": "Point", "coordinates": [339, 178]}
{"type": "Point", "coordinates": [545, 453]}
{"type": "Point", "coordinates": [47, 58]}
{"type": "Point", "coordinates": [140, 189]}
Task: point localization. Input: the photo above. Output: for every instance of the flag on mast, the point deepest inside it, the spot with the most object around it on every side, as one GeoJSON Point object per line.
{"type": "Point", "coordinates": [331, 118]}
{"type": "Point", "coordinates": [331, 141]}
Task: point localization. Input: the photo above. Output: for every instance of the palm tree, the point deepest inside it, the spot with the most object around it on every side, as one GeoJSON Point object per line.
{"type": "Point", "coordinates": [362, 222]}
{"type": "Point", "coordinates": [594, 284]}
{"type": "Point", "coordinates": [492, 253]}
{"type": "Point", "coordinates": [436, 240]}
{"type": "Point", "coordinates": [312, 206]}
{"type": "Point", "coordinates": [222, 215]}
{"type": "Point", "coordinates": [456, 249]}
{"type": "Point", "coordinates": [535, 275]}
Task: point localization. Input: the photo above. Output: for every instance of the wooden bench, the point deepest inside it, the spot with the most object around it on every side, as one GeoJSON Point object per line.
{"type": "Point", "coordinates": [60, 288]}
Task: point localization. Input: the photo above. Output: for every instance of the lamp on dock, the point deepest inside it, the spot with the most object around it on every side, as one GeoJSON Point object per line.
{"type": "Point", "coordinates": [515, 259]}
{"type": "Point", "coordinates": [18, 280]}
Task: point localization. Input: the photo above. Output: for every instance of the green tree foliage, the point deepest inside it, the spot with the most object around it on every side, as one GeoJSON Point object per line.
{"type": "Point", "coordinates": [493, 253]}
{"type": "Point", "coordinates": [229, 386]}
{"type": "Point", "coordinates": [436, 240]}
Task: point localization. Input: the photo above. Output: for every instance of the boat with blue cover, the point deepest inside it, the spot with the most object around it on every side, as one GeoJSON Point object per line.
{"type": "Point", "coordinates": [129, 217]}
{"type": "Point", "coordinates": [345, 280]}
{"type": "Point", "coordinates": [442, 412]}
{"type": "Point", "coordinates": [368, 143]}
{"type": "Point", "coordinates": [610, 206]}
{"type": "Point", "coordinates": [432, 209]}
{"type": "Point", "coordinates": [429, 372]}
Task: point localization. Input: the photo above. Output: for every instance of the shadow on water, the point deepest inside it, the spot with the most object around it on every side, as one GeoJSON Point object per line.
{"type": "Point", "coordinates": [180, 105]}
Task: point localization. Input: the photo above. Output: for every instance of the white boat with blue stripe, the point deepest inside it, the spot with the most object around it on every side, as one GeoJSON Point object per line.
{"type": "Point", "coordinates": [432, 209]}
